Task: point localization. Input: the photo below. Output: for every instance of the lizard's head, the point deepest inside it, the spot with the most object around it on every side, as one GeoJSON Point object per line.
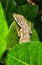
{"type": "Point", "coordinates": [18, 18]}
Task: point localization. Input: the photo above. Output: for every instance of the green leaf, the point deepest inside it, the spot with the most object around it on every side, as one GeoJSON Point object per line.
{"type": "Point", "coordinates": [40, 55]}
{"type": "Point", "coordinates": [3, 31]}
{"type": "Point", "coordinates": [29, 11]}
{"type": "Point", "coordinates": [21, 54]}
{"type": "Point", "coordinates": [34, 53]}
{"type": "Point", "coordinates": [12, 38]}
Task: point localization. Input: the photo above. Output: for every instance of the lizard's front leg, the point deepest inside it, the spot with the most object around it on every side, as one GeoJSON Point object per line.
{"type": "Point", "coordinates": [18, 31]}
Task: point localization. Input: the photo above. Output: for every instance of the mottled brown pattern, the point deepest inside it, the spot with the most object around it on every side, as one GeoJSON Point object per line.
{"type": "Point", "coordinates": [24, 30]}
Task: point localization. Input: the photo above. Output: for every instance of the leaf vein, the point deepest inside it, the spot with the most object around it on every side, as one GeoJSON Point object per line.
{"type": "Point", "coordinates": [18, 60]}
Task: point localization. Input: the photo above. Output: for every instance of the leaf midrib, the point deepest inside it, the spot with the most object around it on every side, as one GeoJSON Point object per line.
{"type": "Point", "coordinates": [18, 59]}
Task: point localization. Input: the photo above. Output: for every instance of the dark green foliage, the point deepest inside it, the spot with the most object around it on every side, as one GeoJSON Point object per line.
{"type": "Point", "coordinates": [30, 9]}
{"type": "Point", "coordinates": [21, 2]}
{"type": "Point", "coordinates": [34, 35]}
{"type": "Point", "coordinates": [38, 27]}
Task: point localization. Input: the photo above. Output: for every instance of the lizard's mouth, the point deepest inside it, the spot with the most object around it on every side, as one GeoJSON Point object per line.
{"type": "Point", "coordinates": [16, 20]}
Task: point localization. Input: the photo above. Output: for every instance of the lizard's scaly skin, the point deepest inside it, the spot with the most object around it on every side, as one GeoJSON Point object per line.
{"type": "Point", "coordinates": [24, 28]}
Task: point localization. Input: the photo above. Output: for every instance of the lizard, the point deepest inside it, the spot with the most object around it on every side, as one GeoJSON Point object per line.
{"type": "Point", "coordinates": [23, 29]}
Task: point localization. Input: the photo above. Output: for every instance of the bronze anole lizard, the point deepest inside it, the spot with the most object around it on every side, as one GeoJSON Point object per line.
{"type": "Point", "coordinates": [24, 31]}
